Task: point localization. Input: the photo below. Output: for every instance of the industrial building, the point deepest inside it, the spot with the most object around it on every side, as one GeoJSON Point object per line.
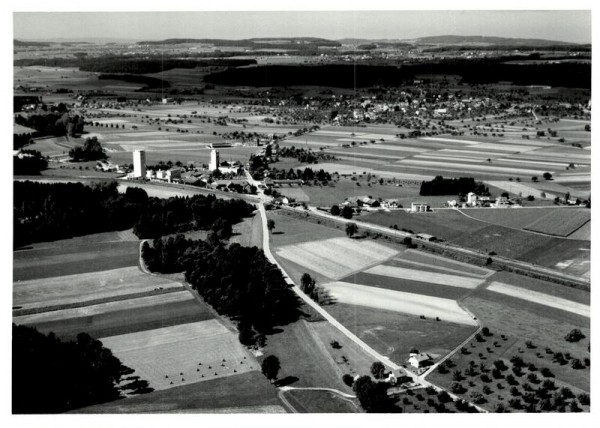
{"type": "Point", "coordinates": [214, 160]}
{"type": "Point", "coordinates": [139, 164]}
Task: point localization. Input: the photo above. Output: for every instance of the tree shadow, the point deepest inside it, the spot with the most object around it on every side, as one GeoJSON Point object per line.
{"type": "Point", "coordinates": [288, 380]}
{"type": "Point", "coordinates": [277, 233]}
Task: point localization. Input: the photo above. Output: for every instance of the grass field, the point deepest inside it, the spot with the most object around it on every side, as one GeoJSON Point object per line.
{"type": "Point", "coordinates": [289, 230]}
{"type": "Point", "coordinates": [560, 223]}
{"type": "Point", "coordinates": [61, 290]}
{"type": "Point", "coordinates": [180, 354]}
{"type": "Point", "coordinates": [393, 334]}
{"type": "Point", "coordinates": [306, 401]}
{"type": "Point", "coordinates": [336, 257]}
{"type": "Point", "coordinates": [248, 392]}
{"type": "Point", "coordinates": [120, 317]}
{"type": "Point", "coordinates": [248, 232]}
{"type": "Point", "coordinates": [305, 360]}
{"type": "Point", "coordinates": [60, 258]}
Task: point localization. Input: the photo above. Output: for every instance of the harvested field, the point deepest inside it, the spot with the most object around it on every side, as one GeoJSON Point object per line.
{"type": "Point", "coordinates": [49, 261]}
{"type": "Point", "coordinates": [201, 351]}
{"type": "Point", "coordinates": [393, 334]}
{"type": "Point", "coordinates": [336, 257]}
{"type": "Point", "coordinates": [62, 290]}
{"type": "Point", "coordinates": [425, 276]}
{"type": "Point", "coordinates": [249, 392]}
{"type": "Point", "coordinates": [408, 303]}
{"type": "Point", "coordinates": [561, 222]}
{"type": "Point", "coordinates": [120, 317]}
{"type": "Point", "coordinates": [540, 298]}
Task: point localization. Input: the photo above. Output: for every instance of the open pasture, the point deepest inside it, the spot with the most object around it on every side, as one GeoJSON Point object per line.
{"type": "Point", "coordinates": [86, 287]}
{"type": "Point", "coordinates": [336, 257]}
{"type": "Point", "coordinates": [121, 316]}
{"type": "Point", "coordinates": [393, 334]}
{"type": "Point", "coordinates": [61, 258]}
{"type": "Point", "coordinates": [408, 303]}
{"type": "Point", "coordinates": [181, 354]}
{"type": "Point", "coordinates": [307, 401]}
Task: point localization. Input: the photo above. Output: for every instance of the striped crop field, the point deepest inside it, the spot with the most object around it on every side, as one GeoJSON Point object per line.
{"type": "Point", "coordinates": [336, 257]}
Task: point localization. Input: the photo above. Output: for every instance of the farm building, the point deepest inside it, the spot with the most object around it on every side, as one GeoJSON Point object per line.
{"type": "Point", "coordinates": [501, 202]}
{"type": "Point", "coordinates": [419, 207]}
{"type": "Point", "coordinates": [214, 160]}
{"type": "Point", "coordinates": [418, 361]}
{"type": "Point", "coordinates": [391, 203]}
{"type": "Point", "coordinates": [394, 376]}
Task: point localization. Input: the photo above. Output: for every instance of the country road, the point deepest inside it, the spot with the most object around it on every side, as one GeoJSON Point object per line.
{"type": "Point", "coordinates": [386, 361]}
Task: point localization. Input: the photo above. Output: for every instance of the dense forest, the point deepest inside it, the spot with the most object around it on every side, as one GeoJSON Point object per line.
{"type": "Point", "coordinates": [52, 376]}
{"type": "Point", "coordinates": [237, 281]}
{"type": "Point", "coordinates": [47, 212]}
{"type": "Point", "coordinates": [452, 186]}
{"type": "Point", "coordinates": [350, 75]}
{"type": "Point", "coordinates": [52, 123]}
{"type": "Point", "coordinates": [119, 64]}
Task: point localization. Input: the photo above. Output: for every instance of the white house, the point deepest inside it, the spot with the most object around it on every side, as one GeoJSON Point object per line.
{"type": "Point", "coordinates": [420, 360]}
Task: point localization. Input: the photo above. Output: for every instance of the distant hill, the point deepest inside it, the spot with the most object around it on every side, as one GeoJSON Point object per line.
{"type": "Point", "coordinates": [484, 40]}
{"type": "Point", "coordinates": [25, 44]}
{"type": "Point", "coordinates": [255, 43]}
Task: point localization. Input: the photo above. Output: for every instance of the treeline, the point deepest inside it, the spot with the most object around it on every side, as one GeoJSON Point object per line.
{"type": "Point", "coordinates": [452, 186]}
{"type": "Point", "coordinates": [239, 282]}
{"type": "Point", "coordinates": [29, 162]}
{"type": "Point", "coordinates": [52, 123]}
{"type": "Point", "coordinates": [303, 155]}
{"type": "Point", "coordinates": [150, 82]}
{"type": "Point", "coordinates": [47, 212]}
{"type": "Point", "coordinates": [52, 376]}
{"type": "Point", "coordinates": [474, 71]}
{"type": "Point", "coordinates": [119, 64]}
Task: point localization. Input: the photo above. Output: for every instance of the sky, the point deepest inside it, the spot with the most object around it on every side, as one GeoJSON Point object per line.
{"type": "Point", "coordinates": [568, 26]}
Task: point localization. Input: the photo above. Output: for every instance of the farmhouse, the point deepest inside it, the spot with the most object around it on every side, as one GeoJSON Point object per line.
{"type": "Point", "coordinates": [418, 361]}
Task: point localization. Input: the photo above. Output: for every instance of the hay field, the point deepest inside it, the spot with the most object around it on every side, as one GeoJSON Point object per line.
{"type": "Point", "coordinates": [407, 303]}
{"type": "Point", "coordinates": [540, 298]}
{"type": "Point", "coordinates": [201, 351]}
{"type": "Point", "coordinates": [249, 392]}
{"type": "Point", "coordinates": [69, 289]}
{"type": "Point", "coordinates": [336, 257]}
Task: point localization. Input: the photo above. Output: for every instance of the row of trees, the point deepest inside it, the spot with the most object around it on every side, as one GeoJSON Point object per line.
{"type": "Point", "coordinates": [239, 282]}
{"type": "Point", "coordinates": [52, 376]}
{"type": "Point", "coordinates": [452, 186]}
